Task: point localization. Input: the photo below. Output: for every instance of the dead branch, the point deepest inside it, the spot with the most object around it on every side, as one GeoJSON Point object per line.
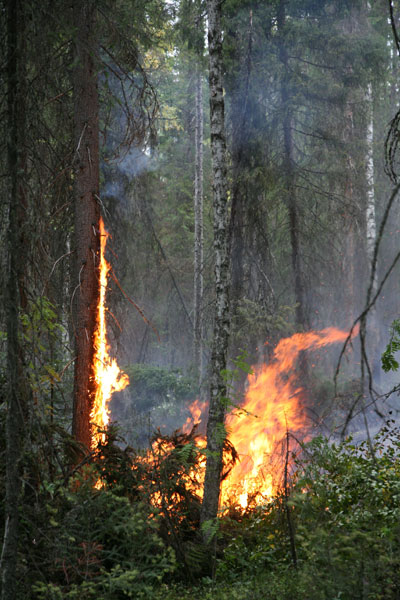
{"type": "Point", "coordinates": [140, 311]}
{"type": "Point", "coordinates": [361, 319]}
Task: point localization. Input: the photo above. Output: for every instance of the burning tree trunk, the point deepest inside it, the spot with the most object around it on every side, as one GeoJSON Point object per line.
{"type": "Point", "coordinates": [17, 387]}
{"type": "Point", "coordinates": [87, 214]}
{"type": "Point", "coordinates": [215, 425]}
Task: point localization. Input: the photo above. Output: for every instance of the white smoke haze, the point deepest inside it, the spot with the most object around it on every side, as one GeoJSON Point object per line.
{"type": "Point", "coordinates": [332, 223]}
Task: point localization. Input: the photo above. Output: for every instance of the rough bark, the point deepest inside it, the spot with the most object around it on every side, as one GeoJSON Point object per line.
{"type": "Point", "coordinates": [87, 214]}
{"type": "Point", "coordinates": [217, 405]}
{"type": "Point", "coordinates": [198, 227]}
{"type": "Point", "coordinates": [241, 159]}
{"type": "Point", "coordinates": [16, 389]}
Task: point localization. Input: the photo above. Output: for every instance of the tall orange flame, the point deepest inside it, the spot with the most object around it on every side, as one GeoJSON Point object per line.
{"type": "Point", "coordinates": [108, 376]}
{"type": "Point", "coordinates": [272, 406]}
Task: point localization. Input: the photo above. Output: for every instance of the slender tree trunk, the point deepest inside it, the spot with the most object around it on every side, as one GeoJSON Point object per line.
{"type": "Point", "coordinates": [87, 214]}
{"type": "Point", "coordinates": [370, 226]}
{"type": "Point", "coordinates": [290, 177]}
{"type": "Point", "coordinates": [198, 227]}
{"type": "Point", "coordinates": [241, 159]}
{"type": "Point", "coordinates": [16, 396]}
{"type": "Point", "coordinates": [370, 173]}
{"type": "Point", "coordinates": [291, 192]}
{"type": "Point", "coordinates": [349, 225]}
{"type": "Point", "coordinates": [218, 391]}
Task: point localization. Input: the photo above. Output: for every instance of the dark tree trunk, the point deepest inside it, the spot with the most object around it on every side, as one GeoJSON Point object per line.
{"type": "Point", "coordinates": [87, 214]}
{"type": "Point", "coordinates": [16, 298]}
{"type": "Point", "coordinates": [241, 159]}
{"type": "Point", "coordinates": [218, 391]}
{"type": "Point", "coordinates": [290, 176]}
{"type": "Point", "coordinates": [354, 186]}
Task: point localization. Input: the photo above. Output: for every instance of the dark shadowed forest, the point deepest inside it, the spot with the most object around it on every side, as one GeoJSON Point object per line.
{"type": "Point", "coordinates": [199, 316]}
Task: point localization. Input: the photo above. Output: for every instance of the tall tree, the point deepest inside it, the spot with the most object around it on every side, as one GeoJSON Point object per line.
{"type": "Point", "coordinates": [289, 169]}
{"type": "Point", "coordinates": [241, 158]}
{"type": "Point", "coordinates": [198, 195]}
{"type": "Point", "coordinates": [17, 391]}
{"type": "Point", "coordinates": [87, 213]}
{"type": "Point", "coordinates": [218, 389]}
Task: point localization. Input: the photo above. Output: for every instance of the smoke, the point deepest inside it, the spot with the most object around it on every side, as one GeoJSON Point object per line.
{"type": "Point", "coordinates": [125, 131]}
{"type": "Point", "coordinates": [120, 170]}
{"type": "Point", "coordinates": [325, 94]}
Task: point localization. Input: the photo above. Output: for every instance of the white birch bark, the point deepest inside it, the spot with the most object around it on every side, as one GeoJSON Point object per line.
{"type": "Point", "coordinates": [217, 405]}
{"type": "Point", "coordinates": [198, 227]}
{"type": "Point", "coordinates": [370, 207]}
{"type": "Point", "coordinates": [370, 230]}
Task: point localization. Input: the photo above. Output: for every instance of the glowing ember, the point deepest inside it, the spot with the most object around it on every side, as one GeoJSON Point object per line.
{"type": "Point", "coordinates": [272, 406]}
{"type": "Point", "coordinates": [107, 375]}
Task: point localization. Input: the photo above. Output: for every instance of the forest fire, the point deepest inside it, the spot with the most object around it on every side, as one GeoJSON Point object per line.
{"type": "Point", "coordinates": [107, 374]}
{"type": "Point", "coordinates": [272, 407]}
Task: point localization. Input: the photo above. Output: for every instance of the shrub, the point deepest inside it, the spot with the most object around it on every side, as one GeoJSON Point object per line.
{"type": "Point", "coordinates": [102, 546]}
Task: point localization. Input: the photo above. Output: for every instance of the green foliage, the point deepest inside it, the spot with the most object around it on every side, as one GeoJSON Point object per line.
{"type": "Point", "coordinates": [345, 506]}
{"type": "Point", "coordinates": [389, 363]}
{"type": "Point", "coordinates": [42, 333]}
{"type": "Point", "coordinates": [232, 376]}
{"type": "Point", "coordinates": [172, 485]}
{"type": "Point", "coordinates": [167, 480]}
{"type": "Point", "coordinates": [99, 545]}
{"type": "Point", "coordinates": [155, 396]}
{"type": "Point", "coordinates": [152, 386]}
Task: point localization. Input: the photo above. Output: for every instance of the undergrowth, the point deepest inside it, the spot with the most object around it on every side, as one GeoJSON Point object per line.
{"type": "Point", "coordinates": [125, 526]}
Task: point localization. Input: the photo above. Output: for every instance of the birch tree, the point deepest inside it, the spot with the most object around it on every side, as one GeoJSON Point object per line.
{"type": "Point", "coordinates": [198, 201]}
{"type": "Point", "coordinates": [218, 390]}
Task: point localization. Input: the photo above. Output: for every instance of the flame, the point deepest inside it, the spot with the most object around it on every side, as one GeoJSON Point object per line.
{"type": "Point", "coordinates": [196, 409]}
{"type": "Point", "coordinates": [273, 405]}
{"type": "Point", "coordinates": [107, 375]}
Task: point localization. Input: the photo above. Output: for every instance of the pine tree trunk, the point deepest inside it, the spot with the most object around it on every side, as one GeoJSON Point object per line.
{"type": "Point", "coordinates": [87, 214]}
{"type": "Point", "coordinates": [218, 391]}
{"type": "Point", "coordinates": [17, 391]}
{"type": "Point", "coordinates": [198, 228]}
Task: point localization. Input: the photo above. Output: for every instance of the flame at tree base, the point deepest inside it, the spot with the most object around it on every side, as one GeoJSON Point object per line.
{"type": "Point", "coordinates": [273, 406]}
{"type": "Point", "coordinates": [107, 375]}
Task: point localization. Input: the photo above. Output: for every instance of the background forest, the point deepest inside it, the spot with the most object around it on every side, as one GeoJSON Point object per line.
{"type": "Point", "coordinates": [312, 226]}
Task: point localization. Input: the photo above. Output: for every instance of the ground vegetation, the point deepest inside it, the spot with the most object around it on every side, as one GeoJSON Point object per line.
{"type": "Point", "coordinates": [248, 179]}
